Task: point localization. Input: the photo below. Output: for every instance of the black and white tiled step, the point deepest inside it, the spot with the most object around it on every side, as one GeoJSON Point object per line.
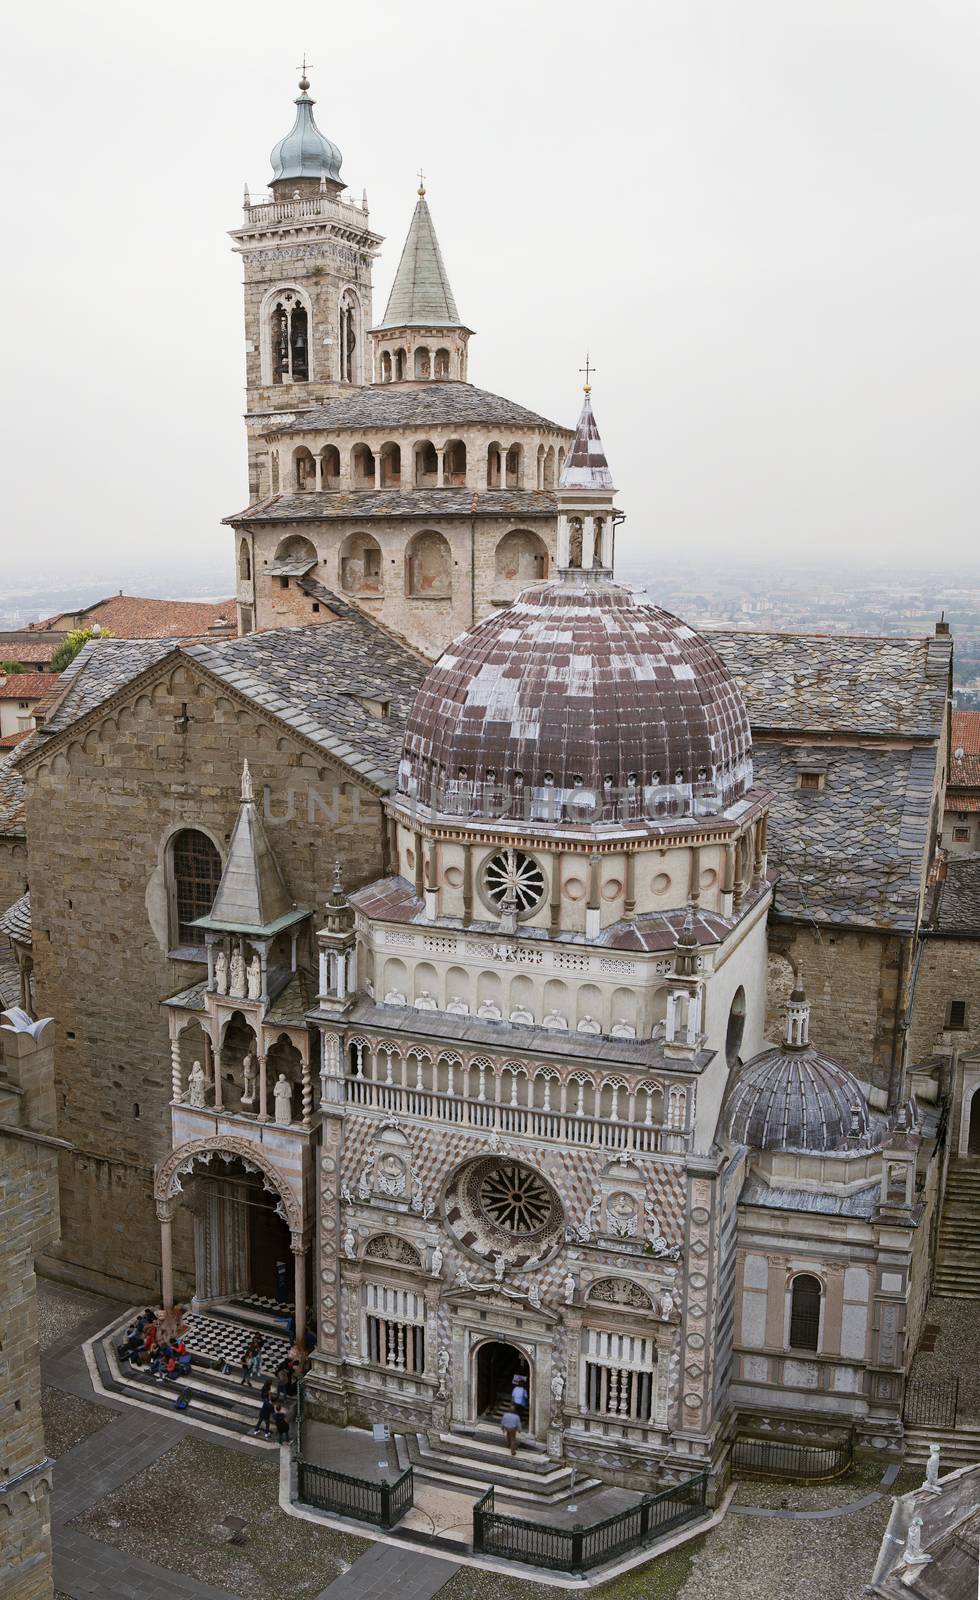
{"type": "Point", "coordinates": [471, 1467]}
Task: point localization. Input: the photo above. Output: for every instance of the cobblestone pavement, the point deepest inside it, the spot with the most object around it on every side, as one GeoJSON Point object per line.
{"type": "Point", "coordinates": [955, 1353]}
{"type": "Point", "coordinates": [68, 1419]}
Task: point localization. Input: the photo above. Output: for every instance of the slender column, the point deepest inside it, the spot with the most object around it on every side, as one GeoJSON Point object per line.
{"type": "Point", "coordinates": [588, 543]}
{"type": "Point", "coordinates": [739, 889]}
{"type": "Point", "coordinates": [263, 1115]}
{"type": "Point", "coordinates": [307, 1086]}
{"type": "Point", "coordinates": [695, 883]}
{"type": "Point", "coordinates": [467, 885]}
{"type": "Point", "coordinates": [213, 1064]}
{"type": "Point", "coordinates": [165, 1213]}
{"type": "Point", "coordinates": [318, 478]}
{"type": "Point", "coordinates": [324, 973]}
{"type": "Point", "coordinates": [630, 906]}
{"type": "Point", "coordinates": [210, 963]}
{"type": "Point", "coordinates": [299, 1290]}
{"type": "Point", "coordinates": [176, 1076]}
{"type": "Point", "coordinates": [377, 469]}
{"type": "Point", "coordinates": [440, 469]}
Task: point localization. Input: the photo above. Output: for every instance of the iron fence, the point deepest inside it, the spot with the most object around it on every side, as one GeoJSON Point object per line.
{"type": "Point", "coordinates": [772, 1458]}
{"type": "Point", "coordinates": [579, 1549]}
{"type": "Point", "coordinates": [381, 1503]}
{"type": "Point", "coordinates": [931, 1403]}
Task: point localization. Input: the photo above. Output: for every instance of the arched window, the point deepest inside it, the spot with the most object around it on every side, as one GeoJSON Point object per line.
{"type": "Point", "coordinates": [426, 465]}
{"type": "Point", "coordinates": [549, 468]}
{"type": "Point", "coordinates": [195, 872]}
{"type": "Point", "coordinates": [429, 565]}
{"type": "Point", "coordinates": [736, 1027]}
{"type": "Point", "coordinates": [442, 364]}
{"type": "Point", "coordinates": [804, 1316]}
{"type": "Point", "coordinates": [289, 339]}
{"type": "Point", "coordinates": [400, 359]}
{"type": "Point", "coordinates": [493, 466]}
{"type": "Point", "coordinates": [360, 565]}
{"type": "Point", "coordinates": [330, 467]}
{"type": "Point", "coordinates": [520, 557]}
{"type": "Point", "coordinates": [362, 467]}
{"type": "Point", "coordinates": [244, 561]}
{"type": "Point", "coordinates": [350, 317]}
{"type": "Point", "coordinates": [514, 466]}
{"type": "Point", "coordinates": [454, 475]}
{"type": "Point", "coordinates": [386, 366]}
{"type": "Point", "coordinates": [295, 548]}
{"type": "Point", "coordinates": [391, 466]}
{"type": "Point", "coordinates": [304, 469]}
{"type": "Point", "coordinates": [423, 367]}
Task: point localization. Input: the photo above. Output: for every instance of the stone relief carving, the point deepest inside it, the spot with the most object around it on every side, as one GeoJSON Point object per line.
{"type": "Point", "coordinates": [391, 1175]}
{"type": "Point", "coordinates": [587, 1227]}
{"type": "Point", "coordinates": [196, 1084]}
{"type": "Point", "coordinates": [237, 979]}
{"type": "Point", "coordinates": [620, 1292]}
{"type": "Point", "coordinates": [364, 1182]}
{"type": "Point", "coordinates": [388, 1247]}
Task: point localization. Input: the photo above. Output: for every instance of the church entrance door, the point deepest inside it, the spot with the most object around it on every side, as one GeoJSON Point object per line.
{"type": "Point", "coordinates": [242, 1247]}
{"type": "Point", "coordinates": [973, 1145]}
{"type": "Point", "coordinates": [497, 1365]}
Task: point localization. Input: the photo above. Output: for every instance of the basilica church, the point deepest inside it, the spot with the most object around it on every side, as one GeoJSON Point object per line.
{"type": "Point", "coordinates": [471, 955]}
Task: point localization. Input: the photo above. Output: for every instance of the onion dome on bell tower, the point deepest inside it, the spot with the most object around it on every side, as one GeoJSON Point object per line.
{"type": "Point", "coordinates": [305, 157]}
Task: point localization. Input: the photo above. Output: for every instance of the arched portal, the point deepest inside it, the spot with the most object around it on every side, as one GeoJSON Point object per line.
{"type": "Point", "coordinates": [496, 1365]}
{"type": "Point", "coordinates": [973, 1142]}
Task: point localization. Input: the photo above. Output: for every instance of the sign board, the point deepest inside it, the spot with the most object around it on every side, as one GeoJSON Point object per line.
{"type": "Point", "coordinates": [381, 1433]}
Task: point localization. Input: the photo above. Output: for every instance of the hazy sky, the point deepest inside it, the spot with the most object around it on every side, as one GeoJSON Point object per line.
{"type": "Point", "coordinates": [760, 216]}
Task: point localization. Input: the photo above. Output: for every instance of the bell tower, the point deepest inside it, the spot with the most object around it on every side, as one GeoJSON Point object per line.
{"type": "Point", "coordinates": [307, 252]}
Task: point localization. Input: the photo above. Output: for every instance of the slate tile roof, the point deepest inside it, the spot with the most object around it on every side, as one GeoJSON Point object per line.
{"type": "Point", "coordinates": [11, 798]}
{"type": "Point", "coordinates": [958, 902]}
{"type": "Point", "coordinates": [853, 851]}
{"type": "Point", "coordinates": [314, 679]}
{"type": "Point", "coordinates": [15, 922]}
{"type": "Point", "coordinates": [832, 683]}
{"type": "Point", "coordinates": [391, 406]}
{"type": "Point", "coordinates": [426, 503]}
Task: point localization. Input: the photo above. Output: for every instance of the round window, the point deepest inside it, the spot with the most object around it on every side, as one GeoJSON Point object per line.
{"type": "Point", "coordinates": [511, 878]}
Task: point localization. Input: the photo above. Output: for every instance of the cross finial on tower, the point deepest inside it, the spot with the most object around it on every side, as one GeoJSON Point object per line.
{"type": "Point", "coordinates": [421, 184]}
{"type": "Point", "coordinates": [588, 369]}
{"type": "Point", "coordinates": [303, 70]}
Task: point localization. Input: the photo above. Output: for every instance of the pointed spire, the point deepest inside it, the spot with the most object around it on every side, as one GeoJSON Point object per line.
{"type": "Point", "coordinates": [252, 894]}
{"type": "Point", "coordinates": [421, 295]}
{"type": "Point", "coordinates": [585, 465]}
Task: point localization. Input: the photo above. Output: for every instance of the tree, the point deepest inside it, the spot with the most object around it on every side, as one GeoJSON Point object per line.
{"type": "Point", "coordinates": [8, 668]}
{"type": "Point", "coordinates": [72, 644]}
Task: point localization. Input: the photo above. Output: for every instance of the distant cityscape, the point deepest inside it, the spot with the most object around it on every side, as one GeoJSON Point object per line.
{"type": "Point", "coordinates": [802, 599]}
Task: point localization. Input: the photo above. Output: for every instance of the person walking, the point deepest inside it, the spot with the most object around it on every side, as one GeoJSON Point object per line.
{"type": "Point", "coordinates": [265, 1409]}
{"type": "Point", "coordinates": [518, 1394]}
{"type": "Point", "coordinates": [281, 1421]}
{"type": "Point", "coordinates": [511, 1422]}
{"type": "Point", "coordinates": [252, 1359]}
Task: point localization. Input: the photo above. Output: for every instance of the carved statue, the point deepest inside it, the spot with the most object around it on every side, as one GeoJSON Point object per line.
{"type": "Point", "coordinates": [221, 973]}
{"type": "Point", "coordinates": [435, 1267]}
{"type": "Point", "coordinates": [347, 1194]}
{"type": "Point", "coordinates": [248, 1074]}
{"type": "Point", "coordinates": [534, 1294]}
{"type": "Point", "coordinates": [283, 1093]}
{"type": "Point", "coordinates": [236, 985]}
{"type": "Point", "coordinates": [557, 1392]}
{"type": "Point", "coordinates": [913, 1554]}
{"type": "Point", "coordinates": [569, 1287]}
{"type": "Point", "coordinates": [364, 1181]}
{"type": "Point", "coordinates": [196, 1085]}
{"type": "Point", "coordinates": [254, 978]}
{"type": "Point", "coordinates": [442, 1367]}
{"type": "Point", "coordinates": [350, 1245]}
{"type": "Point", "coordinates": [418, 1199]}
{"type": "Point", "coordinates": [931, 1485]}
{"type": "Point", "coordinates": [583, 1233]}
{"type": "Point", "coordinates": [499, 1267]}
{"type": "Point", "coordinates": [666, 1304]}
{"type": "Point", "coordinates": [463, 1279]}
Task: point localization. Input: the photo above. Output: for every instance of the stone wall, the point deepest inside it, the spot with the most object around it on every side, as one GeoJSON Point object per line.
{"type": "Point", "coordinates": [13, 869]}
{"type": "Point", "coordinates": [100, 811]}
{"type": "Point", "coordinates": [29, 1208]}
{"type": "Point", "coordinates": [949, 969]}
{"type": "Point", "coordinates": [853, 982]}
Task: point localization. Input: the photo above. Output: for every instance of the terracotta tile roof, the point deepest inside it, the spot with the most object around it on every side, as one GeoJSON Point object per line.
{"type": "Point", "coordinates": [24, 648]}
{"type": "Point", "coordinates": [132, 617]}
{"type": "Point", "coordinates": [426, 503]}
{"type": "Point", "coordinates": [966, 732]}
{"type": "Point", "coordinates": [10, 741]}
{"type": "Point", "coordinates": [960, 800]}
{"type": "Point", "coordinates": [26, 685]}
{"type": "Point", "coordinates": [964, 756]}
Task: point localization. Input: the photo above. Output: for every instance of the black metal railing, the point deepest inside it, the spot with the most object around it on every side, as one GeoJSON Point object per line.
{"type": "Point", "coordinates": [381, 1503]}
{"type": "Point", "coordinates": [771, 1458]}
{"type": "Point", "coordinates": [931, 1403]}
{"type": "Point", "coordinates": [579, 1549]}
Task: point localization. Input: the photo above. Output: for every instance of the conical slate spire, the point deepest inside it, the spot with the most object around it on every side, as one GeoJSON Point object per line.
{"type": "Point", "coordinates": [585, 465]}
{"type": "Point", "coordinates": [252, 893]}
{"type": "Point", "coordinates": [421, 295]}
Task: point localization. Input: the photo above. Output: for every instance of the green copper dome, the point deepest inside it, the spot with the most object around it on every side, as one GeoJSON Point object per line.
{"type": "Point", "coordinates": [305, 152]}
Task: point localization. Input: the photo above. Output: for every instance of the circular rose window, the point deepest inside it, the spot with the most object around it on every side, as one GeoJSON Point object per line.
{"type": "Point", "coordinates": [496, 1206]}
{"type": "Point", "coordinates": [512, 878]}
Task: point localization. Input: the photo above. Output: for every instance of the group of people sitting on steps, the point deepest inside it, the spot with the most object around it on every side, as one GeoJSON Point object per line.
{"type": "Point", "coordinates": [145, 1346]}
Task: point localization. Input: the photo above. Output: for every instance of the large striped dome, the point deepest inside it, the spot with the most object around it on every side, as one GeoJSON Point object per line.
{"type": "Point", "coordinates": [580, 702]}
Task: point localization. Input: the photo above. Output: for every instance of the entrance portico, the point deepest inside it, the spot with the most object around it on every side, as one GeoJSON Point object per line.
{"type": "Point", "coordinates": [488, 1332]}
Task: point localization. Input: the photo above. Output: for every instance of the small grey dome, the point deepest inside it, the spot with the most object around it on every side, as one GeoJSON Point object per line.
{"type": "Point", "coordinates": [305, 152]}
{"type": "Point", "coordinates": [795, 1099]}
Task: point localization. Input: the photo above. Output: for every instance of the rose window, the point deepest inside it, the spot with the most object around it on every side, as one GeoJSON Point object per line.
{"type": "Point", "coordinates": [513, 878]}
{"type": "Point", "coordinates": [515, 1198]}
{"type": "Point", "coordinates": [495, 1206]}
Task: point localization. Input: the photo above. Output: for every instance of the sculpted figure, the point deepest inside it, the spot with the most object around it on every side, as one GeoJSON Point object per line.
{"type": "Point", "coordinates": [237, 975]}
{"type": "Point", "coordinates": [196, 1084]}
{"type": "Point", "coordinates": [435, 1268]}
{"type": "Point", "coordinates": [284, 1099]}
{"type": "Point", "coordinates": [569, 1289]}
{"type": "Point", "coordinates": [248, 1074]}
{"type": "Point", "coordinates": [932, 1471]}
{"type": "Point", "coordinates": [913, 1552]}
{"type": "Point", "coordinates": [666, 1304]}
{"type": "Point", "coordinates": [254, 978]}
{"type": "Point", "coordinates": [221, 972]}
{"type": "Point", "coordinates": [557, 1390]}
{"type": "Point", "coordinates": [499, 1267]}
{"type": "Point", "coordinates": [350, 1245]}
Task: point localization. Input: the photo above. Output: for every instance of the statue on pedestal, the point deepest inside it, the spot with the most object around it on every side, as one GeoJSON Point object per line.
{"type": "Point", "coordinates": [931, 1485]}
{"type": "Point", "coordinates": [254, 978]}
{"type": "Point", "coordinates": [196, 1085]}
{"type": "Point", "coordinates": [350, 1245]}
{"type": "Point", "coordinates": [248, 1073]}
{"type": "Point", "coordinates": [283, 1094]}
{"type": "Point", "coordinates": [221, 973]}
{"type": "Point", "coordinates": [569, 1287]}
{"type": "Point", "coordinates": [435, 1268]}
{"type": "Point", "coordinates": [237, 975]}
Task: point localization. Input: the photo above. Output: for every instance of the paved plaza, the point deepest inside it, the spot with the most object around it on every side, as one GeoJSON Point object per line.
{"type": "Point", "coordinates": [151, 1507]}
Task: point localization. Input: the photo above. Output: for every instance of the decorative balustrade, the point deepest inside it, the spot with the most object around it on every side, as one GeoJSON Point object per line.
{"type": "Point", "coordinates": [555, 1126]}
{"type": "Point", "coordinates": [297, 210]}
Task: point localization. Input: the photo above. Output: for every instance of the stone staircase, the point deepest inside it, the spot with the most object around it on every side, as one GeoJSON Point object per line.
{"type": "Point", "coordinates": [960, 1447]}
{"type": "Point", "coordinates": [215, 1397]}
{"type": "Point", "coordinates": [957, 1271]}
{"type": "Point", "coordinates": [470, 1462]}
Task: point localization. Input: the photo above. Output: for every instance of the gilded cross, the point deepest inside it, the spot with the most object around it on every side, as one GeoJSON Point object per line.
{"type": "Point", "coordinates": [588, 369]}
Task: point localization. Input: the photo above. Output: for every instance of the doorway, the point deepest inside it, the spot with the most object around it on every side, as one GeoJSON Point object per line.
{"type": "Point", "coordinates": [241, 1245]}
{"type": "Point", "coordinates": [497, 1365]}
{"type": "Point", "coordinates": [973, 1142]}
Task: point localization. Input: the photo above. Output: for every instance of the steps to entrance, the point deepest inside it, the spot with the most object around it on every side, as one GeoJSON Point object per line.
{"type": "Point", "coordinates": [957, 1271]}
{"type": "Point", "coordinates": [219, 1399]}
{"type": "Point", "coordinates": [960, 1447]}
{"type": "Point", "coordinates": [471, 1465]}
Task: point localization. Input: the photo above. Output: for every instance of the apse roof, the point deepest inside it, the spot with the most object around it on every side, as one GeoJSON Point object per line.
{"type": "Point", "coordinates": [390, 405]}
